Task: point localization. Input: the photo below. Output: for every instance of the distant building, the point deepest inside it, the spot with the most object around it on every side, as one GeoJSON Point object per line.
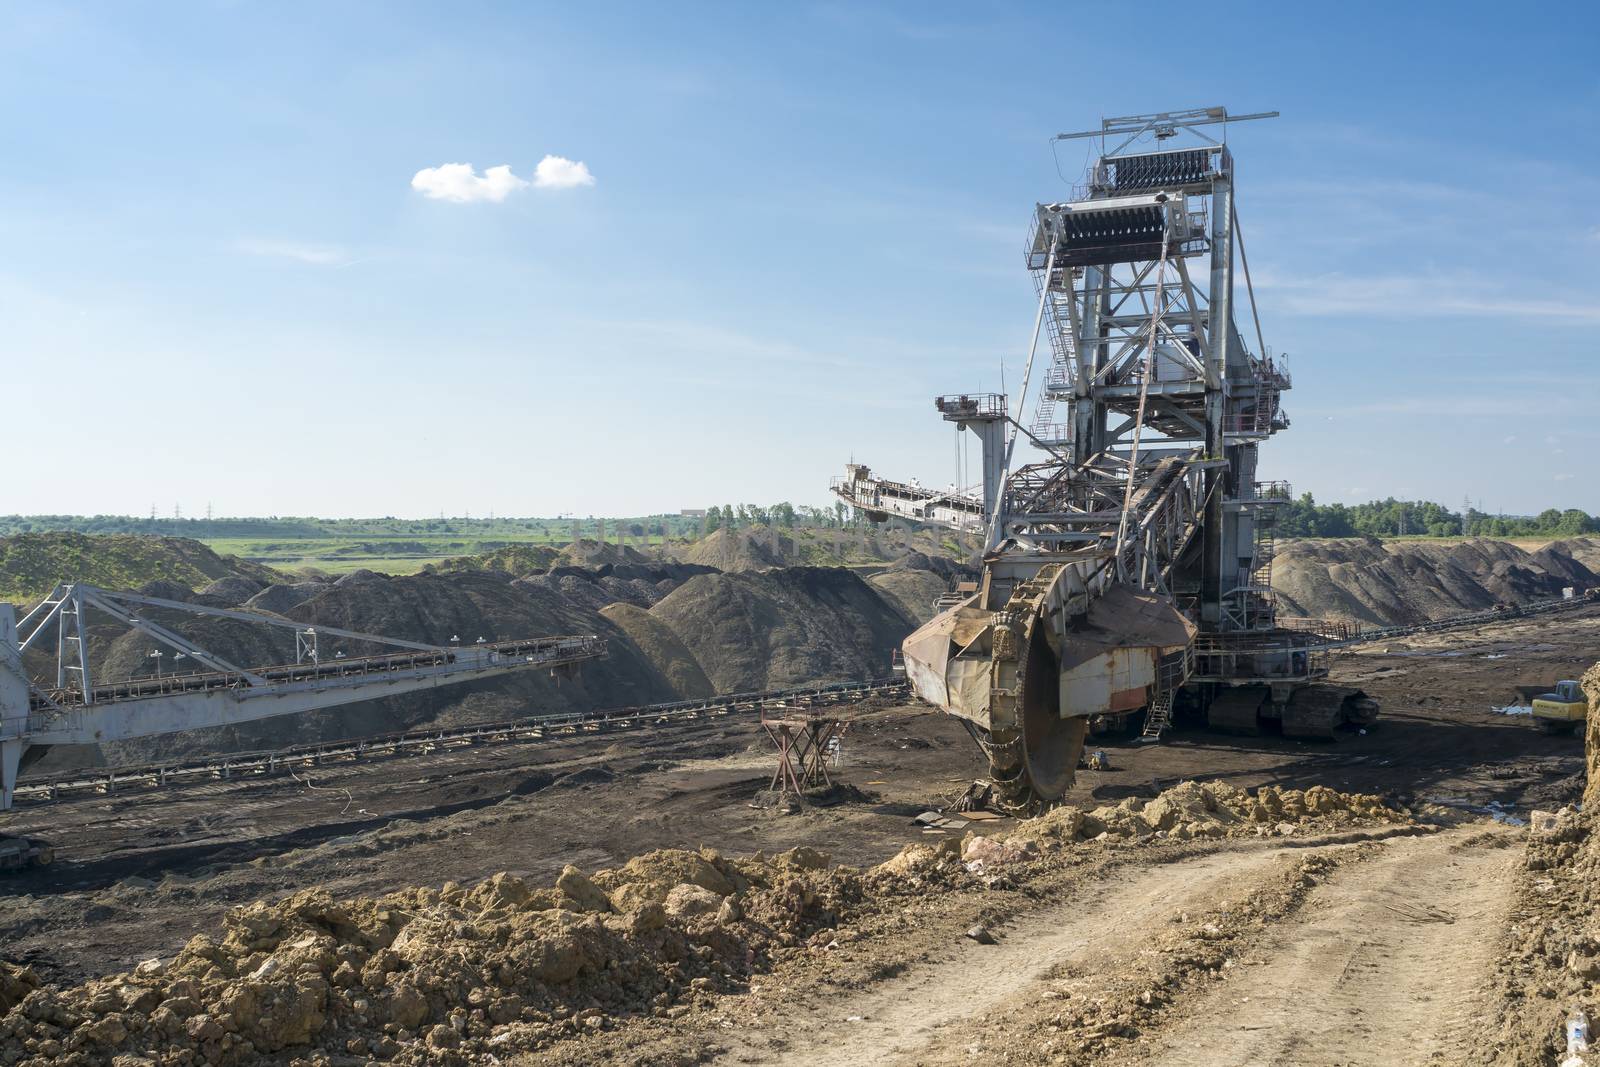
{"type": "Point", "coordinates": [692, 513]}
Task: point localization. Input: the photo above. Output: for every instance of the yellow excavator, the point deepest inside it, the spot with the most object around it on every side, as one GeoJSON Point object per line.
{"type": "Point", "coordinates": [1562, 710]}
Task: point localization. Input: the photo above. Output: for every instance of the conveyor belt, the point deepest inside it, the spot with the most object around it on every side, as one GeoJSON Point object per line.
{"type": "Point", "coordinates": [141, 778]}
{"type": "Point", "coordinates": [550, 651]}
{"type": "Point", "coordinates": [1477, 618]}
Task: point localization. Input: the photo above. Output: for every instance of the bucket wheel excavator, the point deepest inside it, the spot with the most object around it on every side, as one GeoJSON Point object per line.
{"type": "Point", "coordinates": [1126, 573]}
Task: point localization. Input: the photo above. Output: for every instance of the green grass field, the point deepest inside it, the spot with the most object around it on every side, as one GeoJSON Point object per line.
{"type": "Point", "coordinates": [386, 554]}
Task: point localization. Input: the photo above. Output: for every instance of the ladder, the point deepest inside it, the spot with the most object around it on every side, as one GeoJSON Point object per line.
{"type": "Point", "coordinates": [1261, 576]}
{"type": "Point", "coordinates": [1157, 717]}
{"type": "Point", "coordinates": [1063, 363]}
{"type": "Point", "coordinates": [1260, 600]}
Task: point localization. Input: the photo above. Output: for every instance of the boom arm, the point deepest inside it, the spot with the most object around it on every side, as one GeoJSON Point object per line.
{"type": "Point", "coordinates": [31, 716]}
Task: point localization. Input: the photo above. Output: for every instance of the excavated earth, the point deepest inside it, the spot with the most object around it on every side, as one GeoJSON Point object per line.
{"type": "Point", "coordinates": [1399, 583]}
{"type": "Point", "coordinates": [622, 898]}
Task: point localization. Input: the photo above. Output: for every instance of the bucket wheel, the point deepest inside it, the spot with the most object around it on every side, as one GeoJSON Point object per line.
{"type": "Point", "coordinates": [1033, 751]}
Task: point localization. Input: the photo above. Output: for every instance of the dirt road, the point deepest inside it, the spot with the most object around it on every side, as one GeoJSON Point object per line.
{"type": "Point", "coordinates": [1384, 966]}
{"type": "Point", "coordinates": [1378, 965]}
{"type": "Point", "coordinates": [900, 1019]}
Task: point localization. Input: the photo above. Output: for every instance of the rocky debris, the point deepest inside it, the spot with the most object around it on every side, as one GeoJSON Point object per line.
{"type": "Point", "coordinates": [15, 983]}
{"type": "Point", "coordinates": [1550, 959]}
{"type": "Point", "coordinates": [915, 860]}
{"type": "Point", "coordinates": [447, 976]}
{"type": "Point", "coordinates": [1210, 810]}
{"type": "Point", "coordinates": [980, 933]}
{"type": "Point", "coordinates": [982, 853]}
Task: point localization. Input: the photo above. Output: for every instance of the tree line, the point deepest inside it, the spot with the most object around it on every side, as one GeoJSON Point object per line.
{"type": "Point", "coordinates": [1424, 518]}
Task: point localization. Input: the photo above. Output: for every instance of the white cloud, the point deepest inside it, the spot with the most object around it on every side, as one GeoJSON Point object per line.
{"type": "Point", "coordinates": [558, 172]}
{"type": "Point", "coordinates": [1420, 296]}
{"type": "Point", "coordinates": [314, 254]}
{"type": "Point", "coordinates": [1509, 438]}
{"type": "Point", "coordinates": [459, 183]}
{"type": "Point", "coordinates": [1563, 477]}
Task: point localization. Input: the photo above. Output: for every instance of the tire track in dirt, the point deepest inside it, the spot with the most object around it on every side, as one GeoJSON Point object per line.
{"type": "Point", "coordinates": [896, 1020]}
{"type": "Point", "coordinates": [1384, 966]}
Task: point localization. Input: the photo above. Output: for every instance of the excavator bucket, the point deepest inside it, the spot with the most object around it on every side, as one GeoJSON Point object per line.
{"type": "Point", "coordinates": [1028, 678]}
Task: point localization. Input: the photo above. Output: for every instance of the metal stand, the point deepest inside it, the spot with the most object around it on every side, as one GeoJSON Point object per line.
{"type": "Point", "coordinates": [803, 744]}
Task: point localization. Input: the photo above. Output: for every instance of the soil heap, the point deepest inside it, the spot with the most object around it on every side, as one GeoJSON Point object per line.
{"type": "Point", "coordinates": [784, 627]}
{"type": "Point", "coordinates": [32, 563]}
{"type": "Point", "coordinates": [914, 582]}
{"type": "Point", "coordinates": [736, 551]}
{"type": "Point", "coordinates": [1386, 583]}
{"type": "Point", "coordinates": [468, 975]}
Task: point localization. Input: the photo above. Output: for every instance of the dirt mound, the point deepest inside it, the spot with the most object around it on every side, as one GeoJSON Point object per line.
{"type": "Point", "coordinates": [783, 627]}
{"type": "Point", "coordinates": [913, 583]}
{"type": "Point", "coordinates": [1213, 809]}
{"type": "Point", "coordinates": [586, 553]}
{"type": "Point", "coordinates": [1586, 550]}
{"type": "Point", "coordinates": [640, 584]}
{"type": "Point", "coordinates": [517, 560]}
{"type": "Point", "coordinates": [168, 590]}
{"type": "Point", "coordinates": [1402, 582]}
{"type": "Point", "coordinates": [445, 976]}
{"type": "Point", "coordinates": [740, 550]}
{"type": "Point", "coordinates": [657, 641]}
{"type": "Point", "coordinates": [459, 975]}
{"type": "Point", "coordinates": [1577, 562]}
{"type": "Point", "coordinates": [279, 598]}
{"type": "Point", "coordinates": [231, 591]}
{"type": "Point", "coordinates": [31, 563]}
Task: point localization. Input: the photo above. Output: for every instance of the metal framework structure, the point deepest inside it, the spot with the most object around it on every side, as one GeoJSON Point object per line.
{"type": "Point", "coordinates": [148, 779]}
{"type": "Point", "coordinates": [1152, 469]}
{"type": "Point", "coordinates": [1151, 413]}
{"type": "Point", "coordinates": [79, 709]}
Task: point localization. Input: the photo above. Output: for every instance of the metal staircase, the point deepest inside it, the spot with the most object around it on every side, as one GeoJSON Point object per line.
{"type": "Point", "coordinates": [1063, 362]}
{"type": "Point", "coordinates": [1157, 717]}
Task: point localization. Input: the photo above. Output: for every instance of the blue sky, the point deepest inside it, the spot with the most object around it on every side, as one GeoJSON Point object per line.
{"type": "Point", "coordinates": [802, 222]}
